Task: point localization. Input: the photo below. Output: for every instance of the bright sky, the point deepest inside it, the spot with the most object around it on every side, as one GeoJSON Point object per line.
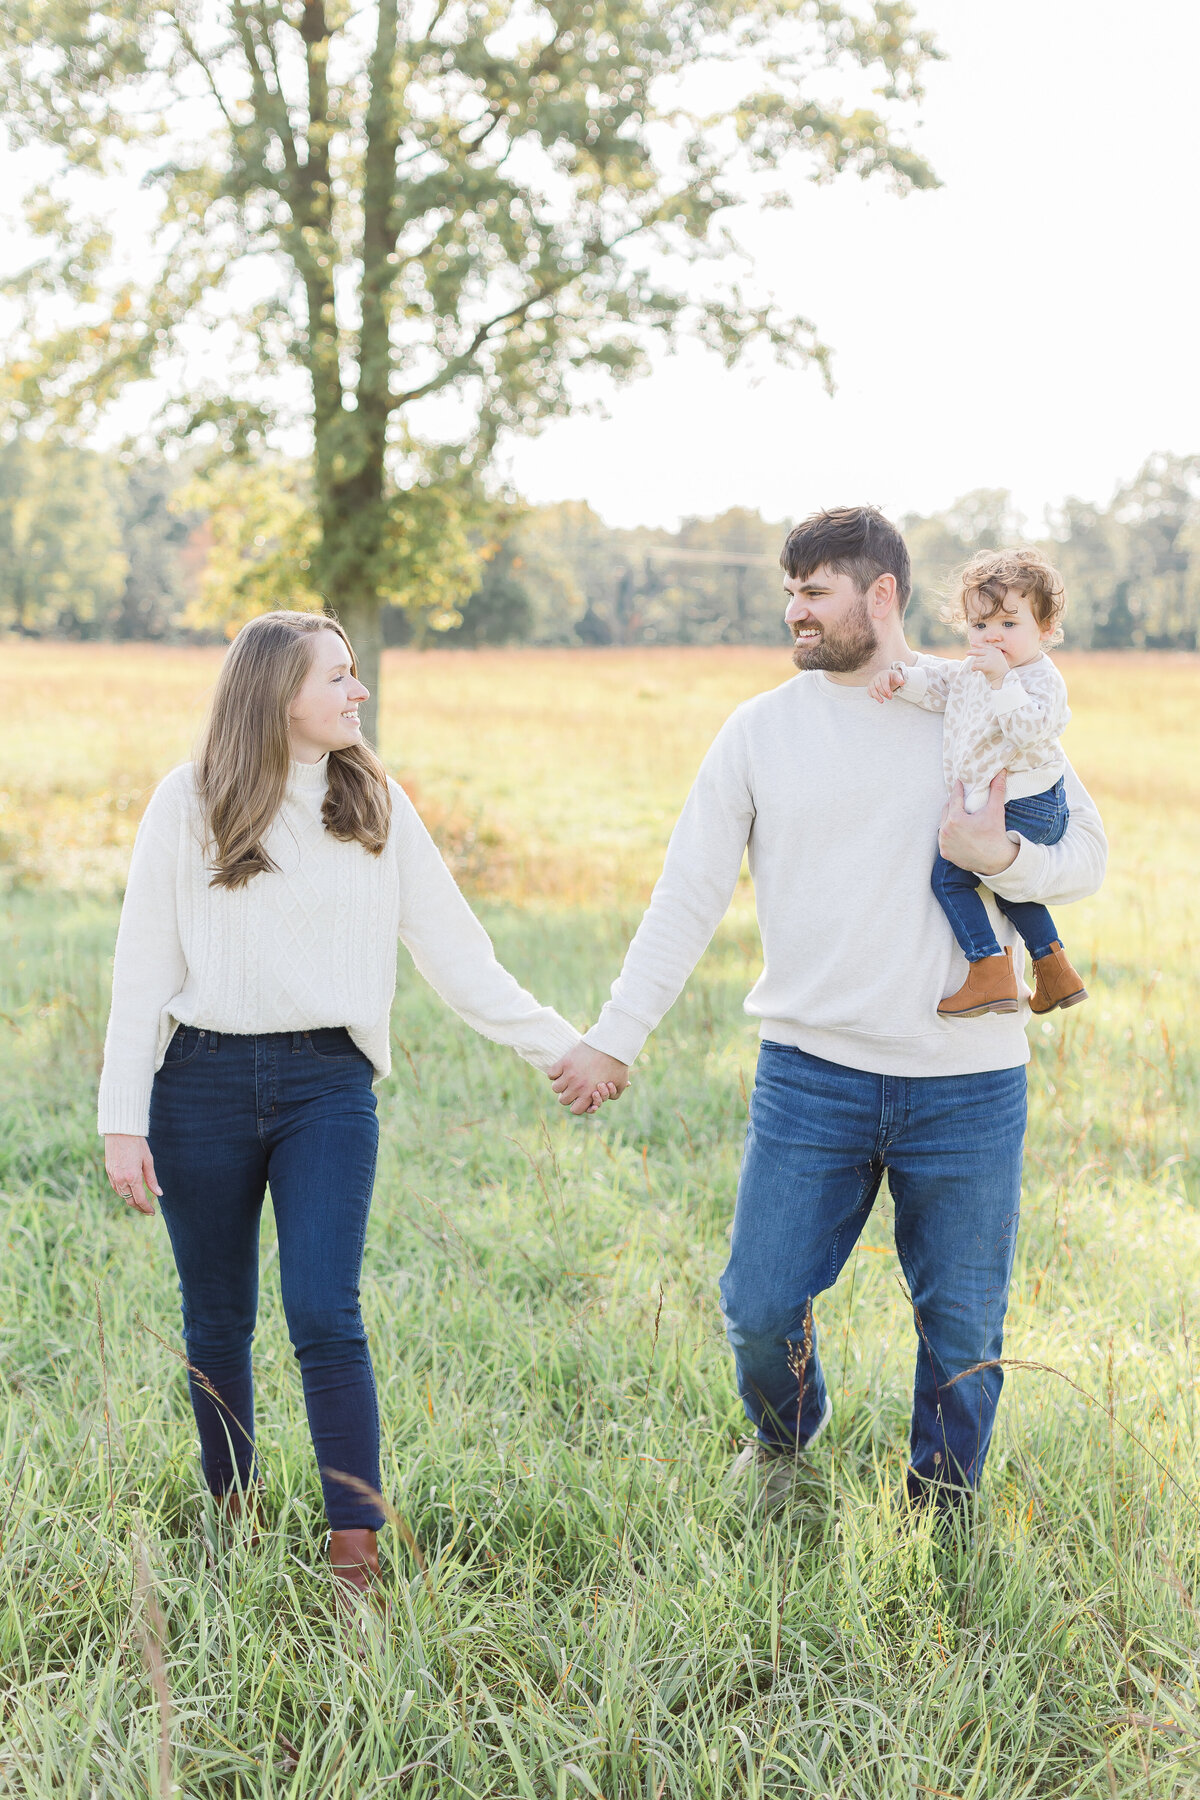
{"type": "Point", "coordinates": [1030, 325]}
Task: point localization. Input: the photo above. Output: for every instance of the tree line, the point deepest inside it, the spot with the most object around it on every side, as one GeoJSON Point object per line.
{"type": "Point", "coordinates": [412, 230]}
{"type": "Point", "coordinates": [103, 546]}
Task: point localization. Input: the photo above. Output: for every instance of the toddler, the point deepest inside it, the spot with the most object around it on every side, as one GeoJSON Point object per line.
{"type": "Point", "coordinates": [1005, 707]}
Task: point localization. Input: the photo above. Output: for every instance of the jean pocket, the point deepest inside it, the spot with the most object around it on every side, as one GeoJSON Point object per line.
{"type": "Point", "coordinates": [183, 1046]}
{"type": "Point", "coordinates": [333, 1044]}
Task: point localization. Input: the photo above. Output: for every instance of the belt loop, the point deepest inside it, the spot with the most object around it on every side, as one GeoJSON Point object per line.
{"type": "Point", "coordinates": [214, 1042]}
{"type": "Point", "coordinates": [297, 1041]}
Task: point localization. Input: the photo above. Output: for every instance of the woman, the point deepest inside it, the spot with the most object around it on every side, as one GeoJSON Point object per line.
{"type": "Point", "coordinates": [254, 974]}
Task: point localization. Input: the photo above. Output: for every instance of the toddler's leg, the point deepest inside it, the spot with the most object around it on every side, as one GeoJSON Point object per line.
{"type": "Point", "coordinates": [1042, 818]}
{"type": "Point", "coordinates": [991, 985]}
{"type": "Point", "coordinates": [1034, 923]}
{"type": "Point", "coordinates": [957, 892]}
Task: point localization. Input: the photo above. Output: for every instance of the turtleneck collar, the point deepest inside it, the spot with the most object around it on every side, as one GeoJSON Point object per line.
{"type": "Point", "coordinates": [310, 778]}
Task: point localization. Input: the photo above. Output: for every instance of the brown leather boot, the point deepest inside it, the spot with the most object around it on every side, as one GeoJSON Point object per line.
{"type": "Point", "coordinates": [1056, 983]}
{"type": "Point", "coordinates": [243, 1509]}
{"type": "Point", "coordinates": [990, 986]}
{"type": "Point", "coordinates": [354, 1560]}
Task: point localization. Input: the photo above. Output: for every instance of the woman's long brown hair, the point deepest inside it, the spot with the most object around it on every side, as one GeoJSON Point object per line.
{"type": "Point", "coordinates": [244, 759]}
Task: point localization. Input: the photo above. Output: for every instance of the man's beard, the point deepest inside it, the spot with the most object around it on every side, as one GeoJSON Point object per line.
{"type": "Point", "coordinates": [841, 648]}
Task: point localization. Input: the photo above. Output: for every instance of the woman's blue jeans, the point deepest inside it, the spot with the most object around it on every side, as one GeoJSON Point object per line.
{"type": "Point", "coordinates": [228, 1117]}
{"type": "Point", "coordinates": [820, 1139]}
{"type": "Point", "coordinates": [1042, 818]}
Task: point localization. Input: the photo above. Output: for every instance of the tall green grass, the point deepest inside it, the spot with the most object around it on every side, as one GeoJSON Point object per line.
{"type": "Point", "coordinates": [579, 1603]}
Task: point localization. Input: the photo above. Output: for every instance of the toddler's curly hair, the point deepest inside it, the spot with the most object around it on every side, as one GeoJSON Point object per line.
{"type": "Point", "coordinates": [992, 574]}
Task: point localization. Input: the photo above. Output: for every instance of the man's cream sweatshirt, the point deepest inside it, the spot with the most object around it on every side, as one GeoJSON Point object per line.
{"type": "Point", "coordinates": [313, 944]}
{"type": "Point", "coordinates": [838, 800]}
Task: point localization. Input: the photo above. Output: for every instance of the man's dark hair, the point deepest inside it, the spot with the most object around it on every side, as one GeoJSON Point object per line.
{"type": "Point", "coordinates": [854, 540]}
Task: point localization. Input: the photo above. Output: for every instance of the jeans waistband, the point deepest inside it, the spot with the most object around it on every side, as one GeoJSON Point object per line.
{"type": "Point", "coordinates": [270, 1040]}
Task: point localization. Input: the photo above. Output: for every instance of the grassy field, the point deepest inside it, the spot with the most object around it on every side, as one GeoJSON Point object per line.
{"type": "Point", "coordinates": [581, 1606]}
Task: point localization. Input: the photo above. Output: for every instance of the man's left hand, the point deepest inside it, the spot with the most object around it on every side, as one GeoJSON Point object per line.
{"type": "Point", "coordinates": [977, 841]}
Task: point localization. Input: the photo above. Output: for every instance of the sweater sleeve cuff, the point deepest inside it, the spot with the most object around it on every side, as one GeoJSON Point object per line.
{"type": "Point", "coordinates": [124, 1110]}
{"type": "Point", "coordinates": [618, 1034]}
{"type": "Point", "coordinates": [1008, 696]}
{"type": "Point", "coordinates": [555, 1039]}
{"type": "Point", "coordinates": [915, 685]}
{"type": "Point", "coordinates": [1025, 876]}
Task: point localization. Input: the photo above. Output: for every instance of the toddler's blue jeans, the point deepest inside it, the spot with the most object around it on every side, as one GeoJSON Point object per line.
{"type": "Point", "coordinates": [228, 1116]}
{"type": "Point", "coordinates": [1042, 818]}
{"type": "Point", "coordinates": [820, 1139]}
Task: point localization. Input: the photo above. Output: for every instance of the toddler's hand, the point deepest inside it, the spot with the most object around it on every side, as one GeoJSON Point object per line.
{"type": "Point", "coordinates": [607, 1090]}
{"type": "Point", "coordinates": [990, 662]}
{"type": "Point", "coordinates": [885, 684]}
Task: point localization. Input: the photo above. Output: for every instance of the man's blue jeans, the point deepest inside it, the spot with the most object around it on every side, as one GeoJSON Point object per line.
{"type": "Point", "coordinates": [228, 1115]}
{"type": "Point", "coordinates": [819, 1142]}
{"type": "Point", "coordinates": [1042, 818]}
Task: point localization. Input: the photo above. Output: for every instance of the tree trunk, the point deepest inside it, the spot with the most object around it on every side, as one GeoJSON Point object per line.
{"type": "Point", "coordinates": [352, 448]}
{"type": "Point", "coordinates": [361, 620]}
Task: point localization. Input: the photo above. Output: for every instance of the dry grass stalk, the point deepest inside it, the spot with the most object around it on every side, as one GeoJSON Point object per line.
{"type": "Point", "coordinates": [152, 1637]}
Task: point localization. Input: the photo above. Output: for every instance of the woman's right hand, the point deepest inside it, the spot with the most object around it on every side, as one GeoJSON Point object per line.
{"type": "Point", "coordinates": [130, 1170]}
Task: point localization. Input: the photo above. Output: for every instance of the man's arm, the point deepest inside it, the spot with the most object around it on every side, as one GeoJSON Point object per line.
{"type": "Point", "coordinates": [689, 901]}
{"type": "Point", "coordinates": [1015, 869]}
{"type": "Point", "coordinates": [1059, 874]}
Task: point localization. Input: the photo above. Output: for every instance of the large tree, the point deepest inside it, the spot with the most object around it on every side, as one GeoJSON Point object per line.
{"type": "Point", "coordinates": [434, 212]}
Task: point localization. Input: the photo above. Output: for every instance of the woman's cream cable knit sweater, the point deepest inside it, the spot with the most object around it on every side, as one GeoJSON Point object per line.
{"type": "Point", "coordinates": [313, 944]}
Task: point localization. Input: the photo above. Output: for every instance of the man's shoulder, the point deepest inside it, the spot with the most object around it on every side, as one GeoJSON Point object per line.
{"type": "Point", "coordinates": [777, 702]}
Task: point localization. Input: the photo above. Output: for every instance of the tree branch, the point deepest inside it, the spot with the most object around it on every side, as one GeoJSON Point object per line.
{"type": "Point", "coordinates": [270, 108]}
{"type": "Point", "coordinates": [204, 64]}
{"type": "Point", "coordinates": [459, 364]}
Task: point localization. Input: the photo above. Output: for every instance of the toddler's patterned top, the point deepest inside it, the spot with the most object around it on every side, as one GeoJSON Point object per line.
{"type": "Point", "coordinates": [1014, 727]}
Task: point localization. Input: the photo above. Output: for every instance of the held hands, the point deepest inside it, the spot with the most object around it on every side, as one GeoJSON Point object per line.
{"type": "Point", "coordinates": [885, 684]}
{"type": "Point", "coordinates": [586, 1078]}
{"type": "Point", "coordinates": [977, 841]}
{"type": "Point", "coordinates": [130, 1170]}
{"type": "Point", "coordinates": [989, 661]}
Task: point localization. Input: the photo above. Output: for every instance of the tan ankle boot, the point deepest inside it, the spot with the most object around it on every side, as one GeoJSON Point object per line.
{"type": "Point", "coordinates": [354, 1560]}
{"type": "Point", "coordinates": [1056, 983]}
{"type": "Point", "coordinates": [990, 986]}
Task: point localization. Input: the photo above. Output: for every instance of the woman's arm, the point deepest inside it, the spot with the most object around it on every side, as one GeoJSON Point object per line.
{"type": "Point", "coordinates": [454, 953]}
{"type": "Point", "coordinates": [148, 967]}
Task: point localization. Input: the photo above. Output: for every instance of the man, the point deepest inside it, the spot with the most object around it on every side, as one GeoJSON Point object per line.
{"type": "Point", "coordinates": [838, 799]}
